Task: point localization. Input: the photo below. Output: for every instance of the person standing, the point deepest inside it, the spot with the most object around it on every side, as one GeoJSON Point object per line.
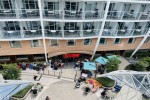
{"type": "Point", "coordinates": [47, 98]}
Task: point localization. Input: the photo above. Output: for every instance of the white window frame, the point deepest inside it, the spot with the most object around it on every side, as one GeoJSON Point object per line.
{"type": "Point", "coordinates": [119, 41]}
{"type": "Point", "coordinates": [32, 45]}
{"type": "Point", "coordinates": [133, 40]}
{"type": "Point", "coordinates": [71, 45]}
{"type": "Point", "coordinates": [104, 42]}
{"type": "Point", "coordinates": [11, 44]}
{"type": "Point", "coordinates": [89, 43]}
{"type": "Point", "coordinates": [50, 42]}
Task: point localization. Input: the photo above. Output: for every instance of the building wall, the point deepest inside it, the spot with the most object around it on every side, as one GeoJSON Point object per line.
{"type": "Point", "coordinates": [122, 46]}
{"type": "Point", "coordinates": [26, 49]}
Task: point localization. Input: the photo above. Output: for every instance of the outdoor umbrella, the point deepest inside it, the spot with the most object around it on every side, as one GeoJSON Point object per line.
{"type": "Point", "coordinates": [89, 66]}
{"type": "Point", "coordinates": [113, 56]}
{"type": "Point", "coordinates": [101, 60]}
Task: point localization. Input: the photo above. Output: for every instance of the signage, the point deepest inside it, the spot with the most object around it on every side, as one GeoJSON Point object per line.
{"type": "Point", "coordinates": [71, 55]}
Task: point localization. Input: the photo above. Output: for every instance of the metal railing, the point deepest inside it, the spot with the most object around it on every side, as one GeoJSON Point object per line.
{"type": "Point", "coordinates": [53, 33]}
{"type": "Point", "coordinates": [32, 33]}
{"type": "Point", "coordinates": [15, 34]}
{"type": "Point", "coordinates": [7, 13]}
{"type": "Point", "coordinates": [29, 13]}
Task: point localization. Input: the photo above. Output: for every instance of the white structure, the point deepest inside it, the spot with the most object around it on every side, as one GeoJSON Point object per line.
{"type": "Point", "coordinates": [23, 20]}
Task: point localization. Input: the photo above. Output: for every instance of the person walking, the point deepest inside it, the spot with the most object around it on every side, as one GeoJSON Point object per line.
{"type": "Point", "coordinates": [47, 98]}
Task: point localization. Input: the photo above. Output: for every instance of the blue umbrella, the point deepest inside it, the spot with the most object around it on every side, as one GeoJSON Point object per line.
{"type": "Point", "coordinates": [89, 66]}
{"type": "Point", "coordinates": [113, 56]}
{"type": "Point", "coordinates": [101, 60]}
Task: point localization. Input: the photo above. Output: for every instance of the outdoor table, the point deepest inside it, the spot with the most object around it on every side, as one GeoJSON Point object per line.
{"type": "Point", "coordinates": [71, 31]}
{"type": "Point", "coordinates": [88, 30]}
{"type": "Point", "coordinates": [53, 31]}
{"type": "Point", "coordinates": [10, 31]}
{"type": "Point", "coordinates": [122, 30]}
{"type": "Point", "coordinates": [138, 30]}
{"type": "Point", "coordinates": [32, 31]}
{"type": "Point", "coordinates": [7, 11]}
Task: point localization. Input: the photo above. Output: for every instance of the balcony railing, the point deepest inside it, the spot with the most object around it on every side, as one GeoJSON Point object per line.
{"type": "Point", "coordinates": [11, 34]}
{"type": "Point", "coordinates": [124, 32]}
{"type": "Point", "coordinates": [32, 33]}
{"type": "Point", "coordinates": [7, 13]}
{"type": "Point", "coordinates": [91, 32]}
{"type": "Point", "coordinates": [94, 14]}
{"type": "Point", "coordinates": [29, 13]}
{"type": "Point", "coordinates": [55, 14]}
{"type": "Point", "coordinates": [53, 33]}
{"type": "Point", "coordinates": [128, 15]}
{"type": "Point", "coordinates": [72, 33]}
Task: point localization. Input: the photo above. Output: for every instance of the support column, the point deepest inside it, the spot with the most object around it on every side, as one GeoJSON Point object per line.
{"type": "Point", "coordinates": [42, 27]}
{"type": "Point", "coordinates": [102, 27]}
{"type": "Point", "coordinates": [141, 43]}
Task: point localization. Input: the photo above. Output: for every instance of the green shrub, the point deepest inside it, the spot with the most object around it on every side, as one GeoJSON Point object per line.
{"type": "Point", "coordinates": [23, 92]}
{"type": "Point", "coordinates": [130, 67]}
{"type": "Point", "coordinates": [11, 72]}
{"type": "Point", "coordinates": [105, 81]}
{"type": "Point", "coordinates": [112, 64]}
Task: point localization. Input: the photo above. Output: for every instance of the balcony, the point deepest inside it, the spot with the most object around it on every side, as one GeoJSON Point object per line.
{"type": "Point", "coordinates": [32, 33]}
{"type": "Point", "coordinates": [55, 14]}
{"type": "Point", "coordinates": [138, 32]}
{"type": "Point", "coordinates": [94, 14]}
{"type": "Point", "coordinates": [7, 13]}
{"type": "Point", "coordinates": [28, 13]}
{"type": "Point", "coordinates": [128, 15]}
{"type": "Point", "coordinates": [109, 32]}
{"type": "Point", "coordinates": [11, 34]}
{"type": "Point", "coordinates": [124, 32]}
{"type": "Point", "coordinates": [53, 33]}
{"type": "Point", "coordinates": [73, 14]}
{"type": "Point", "coordinates": [87, 33]}
{"type": "Point", "coordinates": [72, 33]}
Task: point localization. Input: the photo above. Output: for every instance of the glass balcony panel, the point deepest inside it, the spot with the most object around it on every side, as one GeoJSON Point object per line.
{"type": "Point", "coordinates": [11, 34]}
{"type": "Point", "coordinates": [72, 33]}
{"type": "Point", "coordinates": [91, 32]}
{"type": "Point", "coordinates": [124, 32]}
{"type": "Point", "coordinates": [130, 15]}
{"type": "Point", "coordinates": [29, 13]}
{"type": "Point", "coordinates": [32, 33]}
{"type": "Point", "coordinates": [114, 14]}
{"type": "Point", "coordinates": [7, 13]}
{"type": "Point", "coordinates": [144, 15]}
{"type": "Point", "coordinates": [139, 32]}
{"type": "Point", "coordinates": [53, 33]}
{"type": "Point", "coordinates": [55, 14]}
{"type": "Point", "coordinates": [72, 14]}
{"type": "Point", "coordinates": [109, 32]}
{"type": "Point", "coordinates": [94, 14]}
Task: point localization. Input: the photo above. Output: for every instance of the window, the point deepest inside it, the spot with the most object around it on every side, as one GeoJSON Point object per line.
{"type": "Point", "coordinates": [71, 42]}
{"type": "Point", "coordinates": [0, 45]}
{"type": "Point", "coordinates": [54, 43]}
{"type": "Point", "coordinates": [131, 40]}
{"type": "Point", "coordinates": [52, 5]}
{"type": "Point", "coordinates": [102, 41]}
{"type": "Point", "coordinates": [87, 41]}
{"type": "Point", "coordinates": [146, 40]}
{"type": "Point", "coordinates": [117, 41]}
{"type": "Point", "coordinates": [35, 43]}
{"type": "Point", "coordinates": [15, 44]}
{"type": "Point", "coordinates": [71, 5]}
{"type": "Point", "coordinates": [30, 4]}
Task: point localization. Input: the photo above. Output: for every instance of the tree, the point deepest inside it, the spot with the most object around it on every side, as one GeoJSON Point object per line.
{"type": "Point", "coordinates": [112, 64]}
{"type": "Point", "coordinates": [11, 73]}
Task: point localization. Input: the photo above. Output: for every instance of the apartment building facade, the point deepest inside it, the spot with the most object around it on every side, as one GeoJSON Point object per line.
{"type": "Point", "coordinates": [35, 29]}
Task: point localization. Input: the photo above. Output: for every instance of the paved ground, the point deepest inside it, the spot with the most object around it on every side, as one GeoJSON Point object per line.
{"type": "Point", "coordinates": [64, 90]}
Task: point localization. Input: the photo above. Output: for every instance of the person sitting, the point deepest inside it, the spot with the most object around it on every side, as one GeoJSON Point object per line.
{"type": "Point", "coordinates": [87, 90]}
{"type": "Point", "coordinates": [95, 89]}
{"type": "Point", "coordinates": [35, 91]}
{"type": "Point", "coordinates": [103, 94]}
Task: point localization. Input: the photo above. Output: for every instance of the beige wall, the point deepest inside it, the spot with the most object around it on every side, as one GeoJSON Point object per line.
{"type": "Point", "coordinates": [122, 46]}
{"type": "Point", "coordinates": [63, 48]}
{"type": "Point", "coordinates": [26, 49]}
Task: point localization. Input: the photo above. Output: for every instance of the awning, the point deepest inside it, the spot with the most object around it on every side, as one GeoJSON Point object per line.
{"type": "Point", "coordinates": [114, 56]}
{"type": "Point", "coordinates": [101, 60]}
{"type": "Point", "coordinates": [89, 66]}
